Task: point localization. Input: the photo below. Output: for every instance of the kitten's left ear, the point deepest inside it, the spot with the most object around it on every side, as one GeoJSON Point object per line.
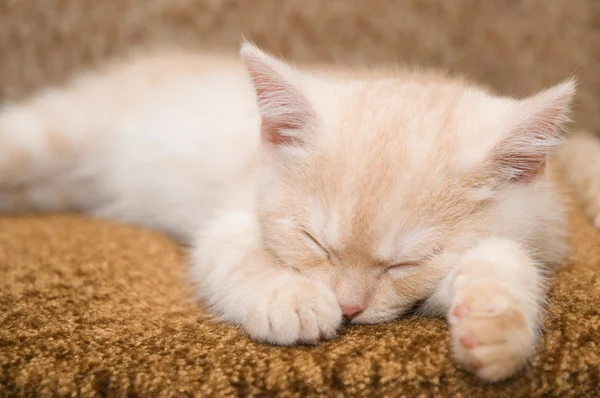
{"type": "Point", "coordinates": [285, 112]}
{"type": "Point", "coordinates": [535, 130]}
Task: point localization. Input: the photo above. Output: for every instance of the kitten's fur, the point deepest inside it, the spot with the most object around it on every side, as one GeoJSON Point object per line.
{"type": "Point", "coordinates": [362, 198]}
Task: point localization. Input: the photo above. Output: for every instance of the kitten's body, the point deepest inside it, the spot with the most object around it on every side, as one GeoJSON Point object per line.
{"type": "Point", "coordinates": [158, 142]}
{"type": "Point", "coordinates": [362, 197]}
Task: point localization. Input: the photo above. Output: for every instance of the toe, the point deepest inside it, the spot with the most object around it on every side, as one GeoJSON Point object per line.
{"type": "Point", "coordinates": [469, 341]}
{"type": "Point", "coordinates": [461, 310]}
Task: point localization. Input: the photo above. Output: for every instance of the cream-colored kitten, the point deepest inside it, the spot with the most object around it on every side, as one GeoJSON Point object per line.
{"type": "Point", "coordinates": [311, 199]}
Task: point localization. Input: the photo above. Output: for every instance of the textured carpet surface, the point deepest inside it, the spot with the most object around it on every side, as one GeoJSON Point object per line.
{"type": "Point", "coordinates": [93, 308]}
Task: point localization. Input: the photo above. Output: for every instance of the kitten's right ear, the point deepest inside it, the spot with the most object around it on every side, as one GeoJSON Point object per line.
{"type": "Point", "coordinates": [285, 112]}
{"type": "Point", "coordinates": [535, 131]}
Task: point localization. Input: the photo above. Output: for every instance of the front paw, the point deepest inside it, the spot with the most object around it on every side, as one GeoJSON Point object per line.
{"type": "Point", "coordinates": [490, 333]}
{"type": "Point", "coordinates": [293, 309]}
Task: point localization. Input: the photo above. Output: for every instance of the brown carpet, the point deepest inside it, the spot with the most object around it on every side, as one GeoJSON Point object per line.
{"type": "Point", "coordinates": [91, 308]}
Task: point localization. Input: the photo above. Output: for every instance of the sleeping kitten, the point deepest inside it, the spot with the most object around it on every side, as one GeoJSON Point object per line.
{"type": "Point", "coordinates": [308, 197]}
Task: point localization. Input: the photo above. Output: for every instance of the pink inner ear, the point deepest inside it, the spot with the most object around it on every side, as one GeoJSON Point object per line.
{"type": "Point", "coordinates": [281, 109]}
{"type": "Point", "coordinates": [525, 153]}
{"type": "Point", "coordinates": [522, 157]}
{"type": "Point", "coordinates": [271, 132]}
{"type": "Point", "coordinates": [537, 132]}
{"type": "Point", "coordinates": [527, 167]}
{"type": "Point", "coordinates": [285, 112]}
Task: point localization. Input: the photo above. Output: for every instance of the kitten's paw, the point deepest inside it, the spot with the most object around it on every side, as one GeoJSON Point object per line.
{"type": "Point", "coordinates": [294, 310]}
{"type": "Point", "coordinates": [490, 335]}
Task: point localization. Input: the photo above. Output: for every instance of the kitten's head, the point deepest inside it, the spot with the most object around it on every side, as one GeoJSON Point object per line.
{"type": "Point", "coordinates": [373, 186]}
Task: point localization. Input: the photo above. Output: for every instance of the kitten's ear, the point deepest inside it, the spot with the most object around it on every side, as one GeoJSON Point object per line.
{"type": "Point", "coordinates": [535, 130]}
{"type": "Point", "coordinates": [285, 112]}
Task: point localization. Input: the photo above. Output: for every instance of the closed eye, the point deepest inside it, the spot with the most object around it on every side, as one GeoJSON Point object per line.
{"type": "Point", "coordinates": [316, 244]}
{"type": "Point", "coordinates": [406, 264]}
{"type": "Point", "coordinates": [415, 262]}
{"type": "Point", "coordinates": [404, 268]}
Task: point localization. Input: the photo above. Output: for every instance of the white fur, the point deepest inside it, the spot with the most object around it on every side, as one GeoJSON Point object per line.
{"type": "Point", "coordinates": [159, 166]}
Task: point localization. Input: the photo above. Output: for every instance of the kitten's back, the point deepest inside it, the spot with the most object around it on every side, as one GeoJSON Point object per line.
{"type": "Point", "coordinates": [154, 140]}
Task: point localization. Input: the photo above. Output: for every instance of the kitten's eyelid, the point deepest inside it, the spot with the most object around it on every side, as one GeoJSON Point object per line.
{"type": "Point", "coordinates": [403, 264]}
{"type": "Point", "coordinates": [415, 261]}
{"type": "Point", "coordinates": [321, 246]}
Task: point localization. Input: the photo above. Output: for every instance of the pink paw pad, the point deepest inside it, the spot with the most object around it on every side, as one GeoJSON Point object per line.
{"type": "Point", "coordinates": [461, 310]}
{"type": "Point", "coordinates": [469, 341]}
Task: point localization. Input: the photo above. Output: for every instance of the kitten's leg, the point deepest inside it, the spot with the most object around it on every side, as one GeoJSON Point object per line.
{"type": "Point", "coordinates": [35, 137]}
{"type": "Point", "coordinates": [495, 294]}
{"type": "Point", "coordinates": [41, 141]}
{"type": "Point", "coordinates": [243, 285]}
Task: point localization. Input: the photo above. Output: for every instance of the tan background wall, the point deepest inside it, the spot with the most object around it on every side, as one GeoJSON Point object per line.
{"type": "Point", "coordinates": [516, 46]}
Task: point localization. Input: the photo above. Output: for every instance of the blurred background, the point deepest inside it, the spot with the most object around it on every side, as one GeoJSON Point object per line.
{"type": "Point", "coordinates": [514, 46]}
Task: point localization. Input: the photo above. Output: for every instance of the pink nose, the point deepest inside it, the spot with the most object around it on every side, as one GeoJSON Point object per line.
{"type": "Point", "coordinates": [351, 311]}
